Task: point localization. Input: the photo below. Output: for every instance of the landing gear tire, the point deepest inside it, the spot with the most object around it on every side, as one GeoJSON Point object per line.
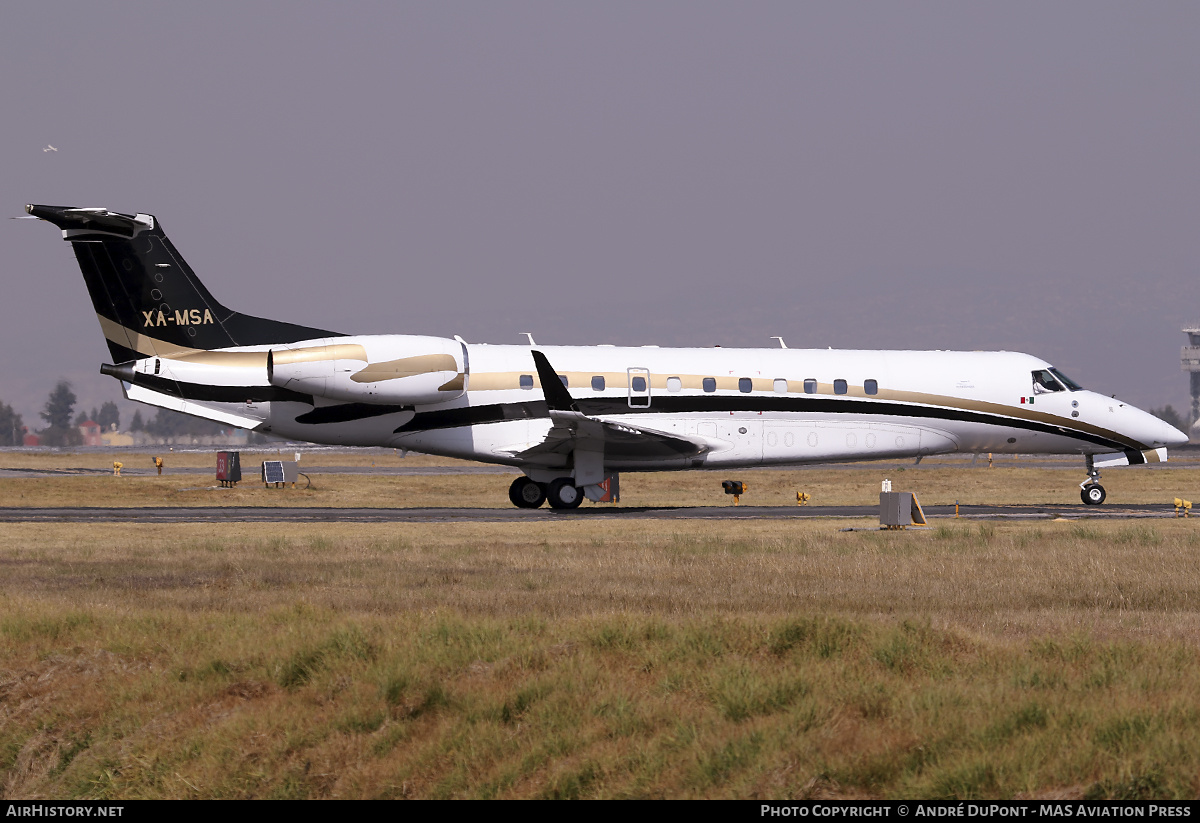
{"type": "Point", "coordinates": [563, 494]}
{"type": "Point", "coordinates": [1092, 494]}
{"type": "Point", "coordinates": [526, 494]}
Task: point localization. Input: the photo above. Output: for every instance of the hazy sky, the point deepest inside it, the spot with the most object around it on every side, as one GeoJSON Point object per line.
{"type": "Point", "coordinates": [952, 175]}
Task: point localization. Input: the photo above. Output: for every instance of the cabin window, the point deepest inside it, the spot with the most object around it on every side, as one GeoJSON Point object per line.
{"type": "Point", "coordinates": [745, 385]}
{"type": "Point", "coordinates": [598, 383]}
{"type": "Point", "coordinates": [871, 386]}
{"type": "Point", "coordinates": [839, 387]}
{"type": "Point", "coordinates": [810, 386]}
{"type": "Point", "coordinates": [674, 384]}
{"type": "Point", "coordinates": [563, 378]}
{"type": "Point", "coordinates": [527, 381]}
{"type": "Point", "coordinates": [638, 384]}
{"type": "Point", "coordinates": [780, 385]}
{"type": "Point", "coordinates": [709, 384]}
{"type": "Point", "coordinates": [1044, 381]}
{"type": "Point", "coordinates": [1066, 381]}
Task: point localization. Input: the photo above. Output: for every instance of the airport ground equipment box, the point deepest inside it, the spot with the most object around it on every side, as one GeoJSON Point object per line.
{"type": "Point", "coordinates": [229, 467]}
{"type": "Point", "coordinates": [280, 471]}
{"type": "Point", "coordinates": [900, 509]}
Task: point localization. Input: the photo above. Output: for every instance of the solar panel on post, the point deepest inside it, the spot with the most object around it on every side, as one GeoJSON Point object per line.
{"type": "Point", "coordinates": [273, 471]}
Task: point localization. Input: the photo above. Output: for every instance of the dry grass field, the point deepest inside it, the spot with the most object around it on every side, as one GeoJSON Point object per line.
{"type": "Point", "coordinates": [781, 659]}
{"type": "Point", "coordinates": [935, 482]}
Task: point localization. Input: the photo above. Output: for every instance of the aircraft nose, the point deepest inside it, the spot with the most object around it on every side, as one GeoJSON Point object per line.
{"type": "Point", "coordinates": [1158, 432]}
{"type": "Point", "coordinates": [1172, 436]}
{"type": "Point", "coordinates": [1145, 428]}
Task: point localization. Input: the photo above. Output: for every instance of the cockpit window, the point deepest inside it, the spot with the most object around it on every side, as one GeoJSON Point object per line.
{"type": "Point", "coordinates": [1066, 381]}
{"type": "Point", "coordinates": [1043, 381]}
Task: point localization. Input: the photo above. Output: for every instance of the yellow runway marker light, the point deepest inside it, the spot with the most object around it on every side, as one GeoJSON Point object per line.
{"type": "Point", "coordinates": [802, 498]}
{"type": "Point", "coordinates": [117, 468]}
{"type": "Point", "coordinates": [1183, 505]}
{"type": "Point", "coordinates": [735, 487]}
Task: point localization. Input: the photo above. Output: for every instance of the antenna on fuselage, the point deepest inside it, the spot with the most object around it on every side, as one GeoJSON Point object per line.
{"type": "Point", "coordinates": [782, 345]}
{"type": "Point", "coordinates": [530, 336]}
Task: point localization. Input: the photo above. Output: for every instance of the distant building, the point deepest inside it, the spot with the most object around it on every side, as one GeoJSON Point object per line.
{"type": "Point", "coordinates": [31, 439]}
{"type": "Point", "coordinates": [1190, 357]}
{"type": "Point", "coordinates": [116, 438]}
{"type": "Point", "coordinates": [90, 430]}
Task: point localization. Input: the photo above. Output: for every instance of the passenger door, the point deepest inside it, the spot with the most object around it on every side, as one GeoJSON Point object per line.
{"type": "Point", "coordinates": [639, 388]}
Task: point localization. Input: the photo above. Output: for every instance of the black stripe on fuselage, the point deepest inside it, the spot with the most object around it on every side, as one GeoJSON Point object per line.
{"type": "Point", "coordinates": [475, 416]}
{"type": "Point", "coordinates": [347, 412]}
{"type": "Point", "coordinates": [495, 413]}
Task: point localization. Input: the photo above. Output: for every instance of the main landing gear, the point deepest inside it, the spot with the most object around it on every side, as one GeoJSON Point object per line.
{"type": "Point", "coordinates": [561, 492]}
{"type": "Point", "coordinates": [525, 494]}
{"type": "Point", "coordinates": [1090, 490]}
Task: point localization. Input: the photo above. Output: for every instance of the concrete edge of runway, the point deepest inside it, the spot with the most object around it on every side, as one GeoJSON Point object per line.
{"type": "Point", "coordinates": [281, 514]}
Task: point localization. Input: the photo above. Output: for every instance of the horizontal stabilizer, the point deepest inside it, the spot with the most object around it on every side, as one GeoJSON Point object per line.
{"type": "Point", "coordinates": [68, 218]}
{"type": "Point", "coordinates": [166, 401]}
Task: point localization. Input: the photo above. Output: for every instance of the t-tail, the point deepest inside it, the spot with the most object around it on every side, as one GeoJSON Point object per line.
{"type": "Point", "coordinates": [173, 345]}
{"type": "Point", "coordinates": [148, 300]}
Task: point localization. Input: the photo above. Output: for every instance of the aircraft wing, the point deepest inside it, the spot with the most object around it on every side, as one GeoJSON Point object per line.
{"type": "Point", "coordinates": [571, 430]}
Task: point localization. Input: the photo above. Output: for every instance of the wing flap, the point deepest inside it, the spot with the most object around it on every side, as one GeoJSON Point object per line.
{"type": "Point", "coordinates": [573, 430]}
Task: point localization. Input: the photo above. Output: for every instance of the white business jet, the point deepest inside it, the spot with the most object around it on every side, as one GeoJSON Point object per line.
{"type": "Point", "coordinates": [572, 417]}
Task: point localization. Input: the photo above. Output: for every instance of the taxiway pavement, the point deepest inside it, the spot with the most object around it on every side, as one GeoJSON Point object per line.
{"type": "Point", "coordinates": [281, 514]}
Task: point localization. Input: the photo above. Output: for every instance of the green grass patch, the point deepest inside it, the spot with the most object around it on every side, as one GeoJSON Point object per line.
{"type": "Point", "coordinates": [620, 707]}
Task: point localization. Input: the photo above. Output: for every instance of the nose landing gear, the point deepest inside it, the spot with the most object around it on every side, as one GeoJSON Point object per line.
{"type": "Point", "coordinates": [1090, 490]}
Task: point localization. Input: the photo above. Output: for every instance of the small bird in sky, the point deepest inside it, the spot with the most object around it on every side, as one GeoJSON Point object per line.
{"type": "Point", "coordinates": [49, 148]}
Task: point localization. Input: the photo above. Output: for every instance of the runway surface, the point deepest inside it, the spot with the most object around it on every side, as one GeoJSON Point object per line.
{"type": "Point", "coordinates": [247, 514]}
{"type": "Point", "coordinates": [250, 467]}
{"type": "Point", "coordinates": [251, 471]}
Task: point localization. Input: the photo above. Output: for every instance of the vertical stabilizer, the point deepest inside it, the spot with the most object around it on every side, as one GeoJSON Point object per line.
{"type": "Point", "coordinates": [148, 300]}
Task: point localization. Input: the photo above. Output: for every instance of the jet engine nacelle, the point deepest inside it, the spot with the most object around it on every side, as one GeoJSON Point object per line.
{"type": "Point", "coordinates": [394, 369]}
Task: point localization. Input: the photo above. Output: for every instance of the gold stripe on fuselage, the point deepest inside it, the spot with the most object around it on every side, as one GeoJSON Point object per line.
{"type": "Point", "coordinates": [509, 381]}
{"type": "Point", "coordinates": [143, 344]}
{"type": "Point", "coordinates": [153, 347]}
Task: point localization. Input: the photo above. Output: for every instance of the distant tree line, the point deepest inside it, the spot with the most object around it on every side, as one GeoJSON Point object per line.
{"type": "Point", "coordinates": [62, 423]}
{"type": "Point", "coordinates": [59, 408]}
{"type": "Point", "coordinates": [169, 424]}
{"type": "Point", "coordinates": [12, 428]}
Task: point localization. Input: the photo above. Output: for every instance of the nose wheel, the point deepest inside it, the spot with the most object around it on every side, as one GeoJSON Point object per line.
{"type": "Point", "coordinates": [1090, 490]}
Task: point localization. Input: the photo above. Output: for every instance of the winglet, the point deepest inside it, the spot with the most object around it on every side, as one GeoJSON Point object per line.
{"type": "Point", "coordinates": [557, 396]}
